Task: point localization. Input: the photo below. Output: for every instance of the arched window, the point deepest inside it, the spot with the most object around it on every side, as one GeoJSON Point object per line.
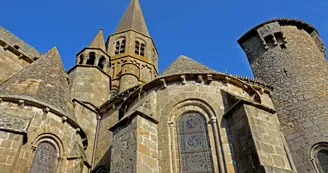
{"type": "Point", "coordinates": [92, 58]}
{"type": "Point", "coordinates": [45, 157]}
{"type": "Point", "coordinates": [322, 160]}
{"type": "Point", "coordinates": [101, 62]}
{"type": "Point", "coordinates": [81, 59]}
{"type": "Point", "coordinates": [194, 146]}
{"type": "Point", "coordinates": [137, 48]}
{"type": "Point", "coordinates": [140, 48]}
{"type": "Point", "coordinates": [120, 46]}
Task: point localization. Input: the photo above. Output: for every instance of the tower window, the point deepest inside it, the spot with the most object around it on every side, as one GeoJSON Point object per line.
{"type": "Point", "coordinates": [92, 58]}
{"type": "Point", "coordinates": [140, 48]}
{"type": "Point", "coordinates": [194, 146]}
{"type": "Point", "coordinates": [137, 48]}
{"type": "Point", "coordinates": [101, 62]}
{"type": "Point", "coordinates": [269, 40]}
{"type": "Point", "coordinates": [120, 46]}
{"type": "Point", "coordinates": [45, 157]}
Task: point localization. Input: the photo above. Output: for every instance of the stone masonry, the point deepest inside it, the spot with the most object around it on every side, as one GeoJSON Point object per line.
{"type": "Point", "coordinates": [289, 55]}
{"type": "Point", "coordinates": [113, 113]}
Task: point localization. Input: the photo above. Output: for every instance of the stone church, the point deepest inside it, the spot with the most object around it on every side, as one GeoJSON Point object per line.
{"type": "Point", "coordinates": [113, 113]}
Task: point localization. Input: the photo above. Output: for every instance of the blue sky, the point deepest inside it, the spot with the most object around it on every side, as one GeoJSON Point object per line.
{"type": "Point", "coordinates": [205, 30]}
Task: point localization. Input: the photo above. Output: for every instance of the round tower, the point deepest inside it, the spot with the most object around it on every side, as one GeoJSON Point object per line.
{"type": "Point", "coordinates": [289, 55]}
{"type": "Point", "coordinates": [128, 76]}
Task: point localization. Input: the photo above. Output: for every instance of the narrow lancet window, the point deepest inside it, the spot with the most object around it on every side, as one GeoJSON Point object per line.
{"type": "Point", "coordinates": [194, 146]}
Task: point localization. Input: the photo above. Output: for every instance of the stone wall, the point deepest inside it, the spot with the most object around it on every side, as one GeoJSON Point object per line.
{"type": "Point", "coordinates": [86, 117]}
{"type": "Point", "coordinates": [18, 143]}
{"type": "Point", "coordinates": [124, 148]}
{"type": "Point", "coordinates": [296, 67]}
{"type": "Point", "coordinates": [167, 102]}
{"type": "Point", "coordinates": [9, 64]}
{"type": "Point", "coordinates": [89, 84]}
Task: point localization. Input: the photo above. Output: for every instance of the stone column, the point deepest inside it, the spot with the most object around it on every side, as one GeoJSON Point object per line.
{"type": "Point", "coordinates": [105, 65]}
{"type": "Point", "coordinates": [85, 58]}
{"type": "Point", "coordinates": [97, 60]}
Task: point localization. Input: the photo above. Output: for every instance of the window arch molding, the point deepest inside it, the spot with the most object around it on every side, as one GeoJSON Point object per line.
{"type": "Point", "coordinates": [206, 111]}
{"type": "Point", "coordinates": [140, 47]}
{"type": "Point", "coordinates": [55, 142]}
{"type": "Point", "coordinates": [120, 45]}
{"type": "Point", "coordinates": [322, 146]}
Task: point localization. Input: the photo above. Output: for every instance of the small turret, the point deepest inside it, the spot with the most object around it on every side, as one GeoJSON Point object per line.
{"type": "Point", "coordinates": [89, 79]}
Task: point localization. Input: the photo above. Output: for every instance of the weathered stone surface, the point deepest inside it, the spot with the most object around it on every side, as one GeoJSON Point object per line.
{"type": "Point", "coordinates": [295, 65]}
{"type": "Point", "coordinates": [13, 123]}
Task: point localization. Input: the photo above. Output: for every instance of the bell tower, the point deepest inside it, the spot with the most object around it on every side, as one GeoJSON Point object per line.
{"type": "Point", "coordinates": [134, 57]}
{"type": "Point", "coordinates": [89, 78]}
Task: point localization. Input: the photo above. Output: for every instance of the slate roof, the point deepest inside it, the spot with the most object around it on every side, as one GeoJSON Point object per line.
{"type": "Point", "coordinates": [184, 65]}
{"type": "Point", "coordinates": [98, 41]}
{"type": "Point", "coordinates": [13, 40]}
{"type": "Point", "coordinates": [133, 19]}
{"type": "Point", "coordinates": [45, 80]}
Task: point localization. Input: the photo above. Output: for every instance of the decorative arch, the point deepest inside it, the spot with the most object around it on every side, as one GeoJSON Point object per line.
{"type": "Point", "coordinates": [92, 58]}
{"type": "Point", "coordinates": [47, 154]}
{"type": "Point", "coordinates": [140, 47]}
{"type": "Point", "coordinates": [101, 62]}
{"type": "Point", "coordinates": [319, 157]}
{"type": "Point", "coordinates": [120, 45]}
{"type": "Point", "coordinates": [205, 114]}
{"type": "Point", "coordinates": [194, 144]}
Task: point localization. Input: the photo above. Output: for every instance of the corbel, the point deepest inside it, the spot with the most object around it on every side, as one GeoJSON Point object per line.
{"type": "Point", "coordinates": [164, 86]}
{"type": "Point", "coordinates": [21, 103]}
{"type": "Point", "coordinates": [64, 119]}
{"type": "Point", "coordinates": [6, 47]}
{"type": "Point", "coordinates": [200, 79]}
{"type": "Point", "coordinates": [183, 79]}
{"type": "Point", "coordinates": [209, 78]}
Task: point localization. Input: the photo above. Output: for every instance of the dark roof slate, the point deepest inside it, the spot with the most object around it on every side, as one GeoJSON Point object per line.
{"type": "Point", "coordinates": [183, 65]}
{"type": "Point", "coordinates": [45, 80]}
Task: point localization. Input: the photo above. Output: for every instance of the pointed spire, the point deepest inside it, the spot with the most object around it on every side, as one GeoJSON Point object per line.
{"type": "Point", "coordinates": [98, 41]}
{"type": "Point", "coordinates": [45, 80]}
{"type": "Point", "coordinates": [133, 19]}
{"type": "Point", "coordinates": [184, 65]}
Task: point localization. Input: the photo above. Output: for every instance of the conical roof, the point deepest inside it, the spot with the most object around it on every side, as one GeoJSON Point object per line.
{"type": "Point", "coordinates": [45, 80]}
{"type": "Point", "coordinates": [98, 41]}
{"type": "Point", "coordinates": [133, 19]}
{"type": "Point", "coordinates": [184, 65]}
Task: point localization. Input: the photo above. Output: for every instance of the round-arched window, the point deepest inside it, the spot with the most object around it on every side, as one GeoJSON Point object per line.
{"type": "Point", "coordinates": [194, 146]}
{"type": "Point", "coordinates": [45, 157]}
{"type": "Point", "coordinates": [322, 160]}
